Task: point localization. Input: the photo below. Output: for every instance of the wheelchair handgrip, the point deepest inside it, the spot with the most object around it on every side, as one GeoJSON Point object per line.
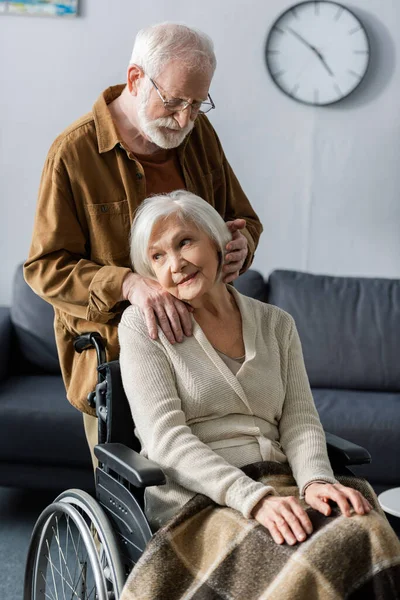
{"type": "Point", "coordinates": [93, 339]}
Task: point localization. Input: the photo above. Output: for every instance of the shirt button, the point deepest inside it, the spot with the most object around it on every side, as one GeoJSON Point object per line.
{"type": "Point", "coordinates": [104, 208]}
{"type": "Point", "coordinates": [139, 175]}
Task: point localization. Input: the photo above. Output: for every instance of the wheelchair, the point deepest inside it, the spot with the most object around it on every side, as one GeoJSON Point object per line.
{"type": "Point", "coordinates": [83, 547]}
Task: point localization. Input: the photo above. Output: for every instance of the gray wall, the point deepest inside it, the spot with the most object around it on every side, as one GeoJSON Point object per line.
{"type": "Point", "coordinates": [325, 182]}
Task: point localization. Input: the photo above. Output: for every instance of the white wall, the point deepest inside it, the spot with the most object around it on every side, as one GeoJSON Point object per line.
{"type": "Point", "coordinates": [324, 181]}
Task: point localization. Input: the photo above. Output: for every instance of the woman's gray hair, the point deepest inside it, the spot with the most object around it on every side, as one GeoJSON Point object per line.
{"type": "Point", "coordinates": [160, 44]}
{"type": "Point", "coordinates": [186, 206]}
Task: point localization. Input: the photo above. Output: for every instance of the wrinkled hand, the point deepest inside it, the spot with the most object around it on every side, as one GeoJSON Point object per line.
{"type": "Point", "coordinates": [236, 250]}
{"type": "Point", "coordinates": [160, 306]}
{"type": "Point", "coordinates": [284, 517]}
{"type": "Point", "coordinates": [318, 495]}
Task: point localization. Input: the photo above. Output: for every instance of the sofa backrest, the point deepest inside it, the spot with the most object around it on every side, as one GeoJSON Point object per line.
{"type": "Point", "coordinates": [349, 327]}
{"type": "Point", "coordinates": [33, 321]}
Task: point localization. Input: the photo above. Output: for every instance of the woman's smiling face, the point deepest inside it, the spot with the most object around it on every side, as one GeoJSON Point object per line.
{"type": "Point", "coordinates": [183, 257]}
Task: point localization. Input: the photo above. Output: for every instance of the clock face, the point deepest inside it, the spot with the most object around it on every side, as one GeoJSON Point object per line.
{"type": "Point", "coordinates": [317, 52]}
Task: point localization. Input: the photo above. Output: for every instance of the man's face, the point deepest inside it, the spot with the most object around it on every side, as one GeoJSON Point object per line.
{"type": "Point", "coordinates": [164, 128]}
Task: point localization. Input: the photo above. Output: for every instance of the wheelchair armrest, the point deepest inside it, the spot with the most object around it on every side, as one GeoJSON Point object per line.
{"type": "Point", "coordinates": [137, 469]}
{"type": "Point", "coordinates": [343, 452]}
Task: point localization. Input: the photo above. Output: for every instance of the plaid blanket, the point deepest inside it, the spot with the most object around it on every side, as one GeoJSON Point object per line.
{"type": "Point", "coordinates": [209, 552]}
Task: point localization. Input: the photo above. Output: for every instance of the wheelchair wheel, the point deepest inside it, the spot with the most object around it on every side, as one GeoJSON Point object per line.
{"type": "Point", "coordinates": [63, 561]}
{"type": "Point", "coordinates": [73, 553]}
{"type": "Point", "coordinates": [103, 535]}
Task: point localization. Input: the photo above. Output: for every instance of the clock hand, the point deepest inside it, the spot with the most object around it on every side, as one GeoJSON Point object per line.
{"type": "Point", "coordinates": [313, 48]}
{"type": "Point", "coordinates": [299, 37]}
{"type": "Point", "coordinates": [325, 64]}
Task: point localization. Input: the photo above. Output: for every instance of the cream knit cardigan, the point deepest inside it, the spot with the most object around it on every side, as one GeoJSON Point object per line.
{"type": "Point", "coordinates": [200, 422]}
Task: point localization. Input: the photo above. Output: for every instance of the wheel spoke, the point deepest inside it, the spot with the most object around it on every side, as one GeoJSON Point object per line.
{"type": "Point", "coordinates": [91, 591]}
{"type": "Point", "coordinates": [76, 548]}
{"type": "Point", "coordinates": [61, 554]}
{"type": "Point", "coordinates": [61, 575]}
{"type": "Point", "coordinates": [68, 532]}
{"type": "Point", "coordinates": [46, 594]}
{"type": "Point", "coordinates": [52, 572]}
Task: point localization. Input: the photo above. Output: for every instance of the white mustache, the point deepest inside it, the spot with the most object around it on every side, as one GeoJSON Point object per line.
{"type": "Point", "coordinates": [171, 124]}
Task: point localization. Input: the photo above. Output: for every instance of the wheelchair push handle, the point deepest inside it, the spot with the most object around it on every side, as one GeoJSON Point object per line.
{"type": "Point", "coordinates": [87, 341]}
{"type": "Point", "coordinates": [91, 340]}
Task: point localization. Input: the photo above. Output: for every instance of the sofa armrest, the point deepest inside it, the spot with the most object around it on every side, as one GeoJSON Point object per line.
{"type": "Point", "coordinates": [5, 341]}
{"type": "Point", "coordinates": [137, 469]}
{"type": "Point", "coordinates": [344, 453]}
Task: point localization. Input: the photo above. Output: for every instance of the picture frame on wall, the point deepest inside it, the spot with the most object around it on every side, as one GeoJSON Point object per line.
{"type": "Point", "coordinates": [48, 8]}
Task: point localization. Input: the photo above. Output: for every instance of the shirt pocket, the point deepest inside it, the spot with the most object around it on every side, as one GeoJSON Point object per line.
{"type": "Point", "coordinates": [109, 229]}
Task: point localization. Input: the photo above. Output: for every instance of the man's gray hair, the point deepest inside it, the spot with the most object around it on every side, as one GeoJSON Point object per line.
{"type": "Point", "coordinates": [160, 44]}
{"type": "Point", "coordinates": [188, 208]}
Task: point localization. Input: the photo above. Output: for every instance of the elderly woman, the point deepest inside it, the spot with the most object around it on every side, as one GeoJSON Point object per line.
{"type": "Point", "coordinates": [234, 394]}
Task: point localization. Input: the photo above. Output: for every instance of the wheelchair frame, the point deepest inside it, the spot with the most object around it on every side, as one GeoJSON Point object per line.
{"type": "Point", "coordinates": [113, 528]}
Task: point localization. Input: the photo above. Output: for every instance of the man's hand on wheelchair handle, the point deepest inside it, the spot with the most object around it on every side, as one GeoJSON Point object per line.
{"type": "Point", "coordinates": [158, 306]}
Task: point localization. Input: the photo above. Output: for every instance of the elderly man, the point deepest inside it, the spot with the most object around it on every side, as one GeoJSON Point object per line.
{"type": "Point", "coordinates": [149, 136]}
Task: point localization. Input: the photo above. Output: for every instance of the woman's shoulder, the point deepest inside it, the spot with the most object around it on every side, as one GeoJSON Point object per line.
{"type": "Point", "coordinates": [268, 315]}
{"type": "Point", "coordinates": [133, 318]}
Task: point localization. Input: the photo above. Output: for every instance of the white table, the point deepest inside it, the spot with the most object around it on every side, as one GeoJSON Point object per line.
{"type": "Point", "coordinates": [390, 501]}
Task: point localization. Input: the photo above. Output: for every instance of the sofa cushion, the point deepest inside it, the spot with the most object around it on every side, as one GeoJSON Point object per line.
{"type": "Point", "coordinates": [348, 327]}
{"type": "Point", "coordinates": [33, 320]}
{"type": "Point", "coordinates": [251, 283]}
{"type": "Point", "coordinates": [38, 425]}
{"type": "Point", "coordinates": [370, 419]}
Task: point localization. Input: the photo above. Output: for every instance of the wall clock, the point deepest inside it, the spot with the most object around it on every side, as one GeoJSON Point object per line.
{"type": "Point", "coordinates": [317, 52]}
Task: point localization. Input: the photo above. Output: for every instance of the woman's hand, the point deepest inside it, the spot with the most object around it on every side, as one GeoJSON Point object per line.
{"type": "Point", "coordinates": [284, 517]}
{"type": "Point", "coordinates": [318, 495]}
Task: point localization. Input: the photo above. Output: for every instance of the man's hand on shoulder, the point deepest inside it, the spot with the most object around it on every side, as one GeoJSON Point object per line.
{"type": "Point", "coordinates": [157, 305]}
{"type": "Point", "coordinates": [237, 251]}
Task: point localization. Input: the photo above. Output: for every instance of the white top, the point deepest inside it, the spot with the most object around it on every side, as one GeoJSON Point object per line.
{"type": "Point", "coordinates": [200, 422]}
{"type": "Point", "coordinates": [390, 501]}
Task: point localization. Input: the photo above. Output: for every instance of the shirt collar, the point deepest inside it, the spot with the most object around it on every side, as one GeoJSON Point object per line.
{"type": "Point", "coordinates": [107, 134]}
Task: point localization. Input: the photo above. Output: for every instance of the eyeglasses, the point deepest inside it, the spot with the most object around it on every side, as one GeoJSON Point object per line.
{"type": "Point", "coordinates": [178, 104]}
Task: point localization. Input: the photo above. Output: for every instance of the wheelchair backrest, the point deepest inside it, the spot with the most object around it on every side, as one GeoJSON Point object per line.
{"type": "Point", "coordinates": [119, 426]}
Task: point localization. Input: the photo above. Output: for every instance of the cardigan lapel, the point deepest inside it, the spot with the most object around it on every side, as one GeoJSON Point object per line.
{"type": "Point", "coordinates": [249, 328]}
{"type": "Point", "coordinates": [249, 331]}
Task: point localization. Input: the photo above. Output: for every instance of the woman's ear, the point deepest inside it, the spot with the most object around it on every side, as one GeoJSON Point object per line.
{"type": "Point", "coordinates": [134, 75]}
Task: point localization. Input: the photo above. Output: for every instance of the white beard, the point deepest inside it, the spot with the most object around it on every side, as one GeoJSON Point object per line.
{"type": "Point", "coordinates": [154, 131]}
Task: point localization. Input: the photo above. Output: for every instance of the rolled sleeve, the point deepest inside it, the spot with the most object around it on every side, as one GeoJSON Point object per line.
{"type": "Point", "coordinates": [105, 292]}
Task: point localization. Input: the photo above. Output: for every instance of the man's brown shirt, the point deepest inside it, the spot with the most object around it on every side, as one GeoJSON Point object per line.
{"type": "Point", "coordinates": [90, 187]}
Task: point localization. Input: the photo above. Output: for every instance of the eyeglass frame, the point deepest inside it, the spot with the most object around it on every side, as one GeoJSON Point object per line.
{"type": "Point", "coordinates": [184, 102]}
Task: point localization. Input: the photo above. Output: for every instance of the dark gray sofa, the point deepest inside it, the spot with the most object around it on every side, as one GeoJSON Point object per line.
{"type": "Point", "coordinates": [350, 332]}
{"type": "Point", "coordinates": [42, 441]}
